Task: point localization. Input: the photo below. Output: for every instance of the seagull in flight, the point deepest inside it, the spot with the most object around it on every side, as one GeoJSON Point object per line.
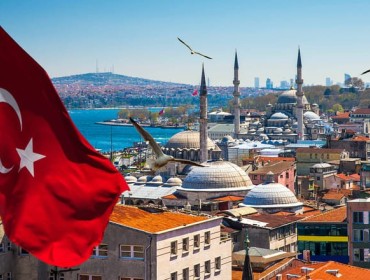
{"type": "Point", "coordinates": [161, 158]}
{"type": "Point", "coordinates": [367, 71]}
{"type": "Point", "coordinates": [191, 50]}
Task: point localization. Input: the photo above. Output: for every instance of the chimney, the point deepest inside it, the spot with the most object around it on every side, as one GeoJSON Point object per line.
{"type": "Point", "coordinates": [279, 277]}
{"type": "Point", "coordinates": [332, 271]}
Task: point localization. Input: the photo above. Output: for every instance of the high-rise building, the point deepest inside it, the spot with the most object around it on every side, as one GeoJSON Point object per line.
{"type": "Point", "coordinates": [347, 78]}
{"type": "Point", "coordinates": [269, 83]}
{"type": "Point", "coordinates": [256, 82]}
{"type": "Point", "coordinates": [284, 85]}
{"type": "Point", "coordinates": [328, 82]}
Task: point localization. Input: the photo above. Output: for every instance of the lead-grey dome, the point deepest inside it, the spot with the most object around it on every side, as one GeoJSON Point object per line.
{"type": "Point", "coordinates": [279, 116]}
{"type": "Point", "coordinates": [289, 96]}
{"type": "Point", "coordinates": [311, 116]}
{"type": "Point", "coordinates": [269, 195]}
{"type": "Point", "coordinates": [188, 139]}
{"type": "Point", "coordinates": [217, 175]}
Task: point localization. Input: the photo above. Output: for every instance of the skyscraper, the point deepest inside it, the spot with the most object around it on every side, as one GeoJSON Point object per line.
{"type": "Point", "coordinates": [347, 78]}
{"type": "Point", "coordinates": [269, 83]}
{"type": "Point", "coordinates": [256, 82]}
{"type": "Point", "coordinates": [328, 82]}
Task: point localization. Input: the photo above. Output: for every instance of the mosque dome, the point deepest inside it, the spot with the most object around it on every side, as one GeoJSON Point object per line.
{"type": "Point", "coordinates": [287, 131]}
{"type": "Point", "coordinates": [278, 130]}
{"type": "Point", "coordinates": [130, 179]}
{"type": "Point", "coordinates": [279, 116]}
{"type": "Point", "coordinates": [311, 116]}
{"type": "Point", "coordinates": [217, 176]}
{"type": "Point", "coordinates": [188, 140]}
{"type": "Point", "coordinates": [289, 97]}
{"type": "Point", "coordinates": [157, 180]}
{"type": "Point", "coordinates": [270, 195]}
{"type": "Point", "coordinates": [142, 180]}
{"type": "Point", "coordinates": [227, 138]}
{"type": "Point", "coordinates": [174, 181]}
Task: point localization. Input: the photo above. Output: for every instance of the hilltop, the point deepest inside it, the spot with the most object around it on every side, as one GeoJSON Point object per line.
{"type": "Point", "coordinates": [109, 79]}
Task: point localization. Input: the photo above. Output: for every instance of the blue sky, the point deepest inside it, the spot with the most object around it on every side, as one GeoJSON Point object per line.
{"type": "Point", "coordinates": [138, 38]}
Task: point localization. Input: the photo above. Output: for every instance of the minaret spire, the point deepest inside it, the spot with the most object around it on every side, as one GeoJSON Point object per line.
{"type": "Point", "coordinates": [203, 119]}
{"type": "Point", "coordinates": [236, 94]}
{"type": "Point", "coordinates": [299, 94]}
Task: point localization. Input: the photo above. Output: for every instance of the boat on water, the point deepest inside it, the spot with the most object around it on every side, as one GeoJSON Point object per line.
{"type": "Point", "coordinates": [123, 122]}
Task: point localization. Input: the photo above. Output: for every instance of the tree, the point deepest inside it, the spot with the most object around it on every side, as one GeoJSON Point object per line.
{"type": "Point", "coordinates": [355, 82]}
{"type": "Point", "coordinates": [337, 108]}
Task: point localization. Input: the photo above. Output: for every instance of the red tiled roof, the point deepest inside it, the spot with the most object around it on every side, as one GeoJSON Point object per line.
{"type": "Point", "coordinates": [229, 198]}
{"type": "Point", "coordinates": [337, 215]}
{"type": "Point", "coordinates": [274, 221]}
{"type": "Point", "coordinates": [333, 196]}
{"type": "Point", "coordinates": [320, 271]}
{"type": "Point", "coordinates": [151, 222]}
{"type": "Point", "coordinates": [360, 138]}
{"type": "Point", "coordinates": [361, 111]}
{"type": "Point", "coordinates": [277, 167]}
{"type": "Point", "coordinates": [344, 177]}
{"type": "Point", "coordinates": [271, 159]}
{"type": "Point", "coordinates": [344, 115]}
{"type": "Point", "coordinates": [355, 177]}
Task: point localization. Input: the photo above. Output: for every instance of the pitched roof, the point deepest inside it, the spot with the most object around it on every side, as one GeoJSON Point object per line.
{"type": "Point", "coordinates": [361, 111]}
{"type": "Point", "coordinates": [277, 167]}
{"type": "Point", "coordinates": [344, 115]}
{"type": "Point", "coordinates": [320, 271]}
{"type": "Point", "coordinates": [274, 221]}
{"type": "Point", "coordinates": [337, 215]}
{"type": "Point", "coordinates": [151, 222]}
{"type": "Point", "coordinates": [229, 198]}
{"type": "Point", "coordinates": [333, 196]}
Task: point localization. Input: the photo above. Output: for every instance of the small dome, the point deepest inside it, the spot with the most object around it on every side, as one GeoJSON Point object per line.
{"type": "Point", "coordinates": [143, 180]}
{"type": "Point", "coordinates": [130, 179]}
{"type": "Point", "coordinates": [311, 116]}
{"type": "Point", "coordinates": [278, 130]}
{"type": "Point", "coordinates": [188, 139]}
{"type": "Point", "coordinates": [270, 195]}
{"type": "Point", "coordinates": [279, 116]}
{"type": "Point", "coordinates": [157, 180]}
{"type": "Point", "coordinates": [287, 131]}
{"type": "Point", "coordinates": [217, 175]}
{"type": "Point", "coordinates": [174, 181]}
{"type": "Point", "coordinates": [227, 138]}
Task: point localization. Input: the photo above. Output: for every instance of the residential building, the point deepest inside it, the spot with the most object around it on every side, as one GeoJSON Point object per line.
{"type": "Point", "coordinates": [365, 176]}
{"type": "Point", "coordinates": [256, 82]}
{"type": "Point", "coordinates": [358, 213]}
{"type": "Point", "coordinates": [284, 173]}
{"type": "Point", "coordinates": [307, 157]}
{"type": "Point", "coordinates": [140, 243]}
{"type": "Point", "coordinates": [357, 146]}
{"type": "Point", "coordinates": [325, 236]}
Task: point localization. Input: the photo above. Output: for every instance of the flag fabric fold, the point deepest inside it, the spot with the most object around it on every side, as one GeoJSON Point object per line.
{"type": "Point", "coordinates": [56, 191]}
{"type": "Point", "coordinates": [195, 92]}
{"type": "Point", "coordinates": [161, 112]}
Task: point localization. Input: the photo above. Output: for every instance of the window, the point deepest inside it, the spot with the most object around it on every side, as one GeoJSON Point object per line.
{"type": "Point", "coordinates": [207, 267]}
{"type": "Point", "coordinates": [174, 248]}
{"type": "Point", "coordinates": [358, 235]}
{"type": "Point", "coordinates": [287, 175]}
{"type": "Point", "coordinates": [281, 176]}
{"type": "Point", "coordinates": [317, 178]}
{"type": "Point", "coordinates": [132, 251]}
{"type": "Point", "coordinates": [358, 255]}
{"type": "Point", "coordinates": [23, 252]}
{"type": "Point", "coordinates": [2, 248]}
{"type": "Point", "coordinates": [9, 276]}
{"type": "Point", "coordinates": [207, 238]}
{"type": "Point", "coordinates": [197, 270]}
{"type": "Point", "coordinates": [1, 277]}
{"type": "Point", "coordinates": [218, 263]}
{"type": "Point", "coordinates": [185, 244]}
{"type": "Point", "coordinates": [89, 277]}
{"type": "Point", "coordinates": [358, 217]}
{"type": "Point", "coordinates": [196, 241]}
{"type": "Point", "coordinates": [9, 246]}
{"type": "Point", "coordinates": [100, 251]}
{"type": "Point", "coordinates": [185, 274]}
{"type": "Point", "coordinates": [174, 276]}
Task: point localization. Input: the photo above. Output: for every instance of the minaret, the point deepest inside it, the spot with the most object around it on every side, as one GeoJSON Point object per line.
{"type": "Point", "coordinates": [203, 119]}
{"type": "Point", "coordinates": [299, 94]}
{"type": "Point", "coordinates": [236, 94]}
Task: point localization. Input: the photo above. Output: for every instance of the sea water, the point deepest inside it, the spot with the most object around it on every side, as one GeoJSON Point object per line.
{"type": "Point", "coordinates": [113, 138]}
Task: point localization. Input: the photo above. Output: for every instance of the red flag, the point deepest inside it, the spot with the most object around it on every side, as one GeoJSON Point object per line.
{"type": "Point", "coordinates": [195, 92]}
{"type": "Point", "coordinates": [161, 112]}
{"type": "Point", "coordinates": [56, 191]}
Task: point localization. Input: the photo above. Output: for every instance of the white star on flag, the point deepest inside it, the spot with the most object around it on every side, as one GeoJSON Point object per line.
{"type": "Point", "coordinates": [28, 157]}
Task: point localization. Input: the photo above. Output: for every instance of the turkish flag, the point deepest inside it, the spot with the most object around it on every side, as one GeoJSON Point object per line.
{"type": "Point", "coordinates": [56, 191]}
{"type": "Point", "coordinates": [195, 92]}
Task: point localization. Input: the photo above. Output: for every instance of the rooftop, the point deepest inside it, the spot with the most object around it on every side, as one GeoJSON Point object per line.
{"type": "Point", "coordinates": [337, 215]}
{"type": "Point", "coordinates": [275, 167]}
{"type": "Point", "coordinates": [134, 217]}
{"type": "Point", "coordinates": [319, 150]}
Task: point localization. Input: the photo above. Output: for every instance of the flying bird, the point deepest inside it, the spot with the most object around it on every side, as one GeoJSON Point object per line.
{"type": "Point", "coordinates": [191, 50]}
{"type": "Point", "coordinates": [161, 158]}
{"type": "Point", "coordinates": [367, 71]}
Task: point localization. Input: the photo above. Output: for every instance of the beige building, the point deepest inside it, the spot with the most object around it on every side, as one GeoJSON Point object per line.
{"type": "Point", "coordinates": [139, 244]}
{"type": "Point", "coordinates": [358, 219]}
